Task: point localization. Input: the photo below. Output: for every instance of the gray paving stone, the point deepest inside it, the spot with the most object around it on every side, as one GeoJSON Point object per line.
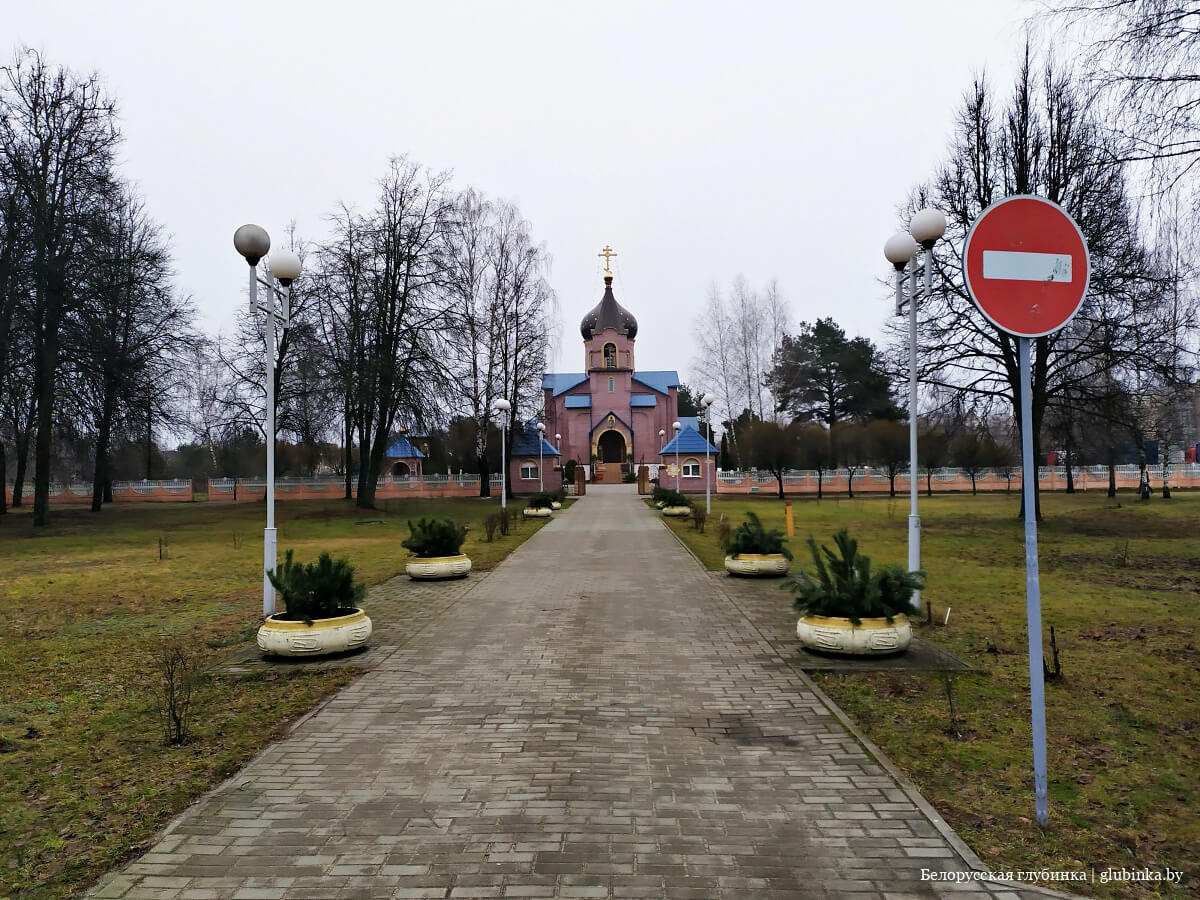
{"type": "Point", "coordinates": [594, 718]}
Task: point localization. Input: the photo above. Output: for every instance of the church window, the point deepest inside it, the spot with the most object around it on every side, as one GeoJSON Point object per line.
{"type": "Point", "coordinates": [691, 468]}
{"type": "Point", "coordinates": [529, 471]}
{"type": "Point", "coordinates": [610, 356]}
{"type": "Point", "coordinates": [611, 384]}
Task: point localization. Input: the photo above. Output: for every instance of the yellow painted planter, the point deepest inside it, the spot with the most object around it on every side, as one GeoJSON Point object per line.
{"type": "Point", "coordinates": [873, 636]}
{"type": "Point", "coordinates": [556, 505]}
{"type": "Point", "coordinates": [677, 511]}
{"type": "Point", "coordinates": [283, 638]}
{"type": "Point", "coordinates": [428, 568]}
{"type": "Point", "coordinates": [764, 564]}
{"type": "Point", "coordinates": [538, 512]}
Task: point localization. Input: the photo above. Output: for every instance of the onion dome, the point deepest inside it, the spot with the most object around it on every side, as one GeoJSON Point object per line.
{"type": "Point", "coordinates": [608, 313]}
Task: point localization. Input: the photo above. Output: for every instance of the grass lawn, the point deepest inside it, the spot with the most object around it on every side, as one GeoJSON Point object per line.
{"type": "Point", "coordinates": [1119, 584]}
{"type": "Point", "coordinates": [85, 775]}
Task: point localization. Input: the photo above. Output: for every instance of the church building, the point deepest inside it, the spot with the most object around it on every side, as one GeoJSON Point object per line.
{"type": "Point", "coordinates": [613, 416]}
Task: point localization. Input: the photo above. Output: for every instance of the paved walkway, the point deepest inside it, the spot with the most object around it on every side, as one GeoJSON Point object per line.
{"type": "Point", "coordinates": [593, 719]}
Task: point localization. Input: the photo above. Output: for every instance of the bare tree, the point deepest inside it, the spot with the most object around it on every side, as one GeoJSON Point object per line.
{"type": "Point", "coordinates": [1044, 142]}
{"type": "Point", "coordinates": [384, 311]}
{"type": "Point", "coordinates": [57, 139]}
{"type": "Point", "coordinates": [127, 339]}
{"type": "Point", "coordinates": [499, 316]}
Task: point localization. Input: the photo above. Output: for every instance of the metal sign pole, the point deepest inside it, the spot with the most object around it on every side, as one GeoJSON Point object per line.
{"type": "Point", "coordinates": [1033, 593]}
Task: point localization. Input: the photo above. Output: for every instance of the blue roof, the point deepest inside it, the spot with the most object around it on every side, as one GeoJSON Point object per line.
{"type": "Point", "coordinates": [526, 443]}
{"type": "Point", "coordinates": [402, 449]}
{"type": "Point", "coordinates": [579, 401]}
{"type": "Point", "coordinates": [642, 400]}
{"type": "Point", "coordinates": [659, 381]}
{"type": "Point", "coordinates": [560, 382]}
{"type": "Point", "coordinates": [689, 422]}
{"type": "Point", "coordinates": [689, 440]}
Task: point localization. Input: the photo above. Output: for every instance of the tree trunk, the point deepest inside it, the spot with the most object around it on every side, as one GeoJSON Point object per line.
{"type": "Point", "coordinates": [19, 474]}
{"type": "Point", "coordinates": [850, 483]}
{"type": "Point", "coordinates": [3, 480]}
{"type": "Point", "coordinates": [820, 479]}
{"type": "Point", "coordinates": [779, 478]}
{"type": "Point", "coordinates": [891, 484]}
{"type": "Point", "coordinates": [485, 476]}
{"type": "Point", "coordinates": [47, 363]}
{"type": "Point", "coordinates": [100, 472]}
{"type": "Point", "coordinates": [1112, 480]}
{"type": "Point", "coordinates": [973, 491]}
{"type": "Point", "coordinates": [1070, 476]}
{"type": "Point", "coordinates": [929, 482]}
{"type": "Point", "coordinates": [347, 449]}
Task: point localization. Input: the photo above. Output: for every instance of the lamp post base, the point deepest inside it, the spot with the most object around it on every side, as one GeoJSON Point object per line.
{"type": "Point", "coordinates": [268, 566]}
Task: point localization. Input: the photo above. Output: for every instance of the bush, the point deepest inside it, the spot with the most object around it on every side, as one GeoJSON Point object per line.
{"type": "Point", "coordinates": [435, 537]}
{"type": "Point", "coordinates": [669, 497]}
{"type": "Point", "coordinates": [569, 471]}
{"type": "Point", "coordinates": [540, 501]}
{"type": "Point", "coordinates": [320, 590]}
{"type": "Point", "coordinates": [490, 524]}
{"type": "Point", "coordinates": [751, 537]}
{"type": "Point", "coordinates": [845, 586]}
{"type": "Point", "coordinates": [628, 478]}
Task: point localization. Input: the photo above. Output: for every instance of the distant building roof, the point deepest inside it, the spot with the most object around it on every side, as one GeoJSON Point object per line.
{"type": "Point", "coordinates": [642, 400]}
{"type": "Point", "coordinates": [689, 440]}
{"type": "Point", "coordinates": [561, 382]}
{"type": "Point", "coordinates": [402, 449]}
{"type": "Point", "coordinates": [689, 422]}
{"type": "Point", "coordinates": [659, 381]}
{"type": "Point", "coordinates": [578, 401]}
{"type": "Point", "coordinates": [526, 442]}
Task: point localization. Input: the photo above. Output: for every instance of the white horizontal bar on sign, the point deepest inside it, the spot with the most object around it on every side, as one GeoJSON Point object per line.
{"type": "Point", "coordinates": [1011, 265]}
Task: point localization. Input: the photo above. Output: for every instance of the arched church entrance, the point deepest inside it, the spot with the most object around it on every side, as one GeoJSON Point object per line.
{"type": "Point", "coordinates": [612, 454]}
{"type": "Point", "coordinates": [401, 470]}
{"type": "Point", "coordinates": [611, 447]}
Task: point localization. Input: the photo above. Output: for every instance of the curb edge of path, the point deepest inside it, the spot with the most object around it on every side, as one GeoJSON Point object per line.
{"type": "Point", "coordinates": [911, 791]}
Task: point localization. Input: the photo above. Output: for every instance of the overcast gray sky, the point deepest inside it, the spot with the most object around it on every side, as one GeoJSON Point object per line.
{"type": "Point", "coordinates": [701, 140]}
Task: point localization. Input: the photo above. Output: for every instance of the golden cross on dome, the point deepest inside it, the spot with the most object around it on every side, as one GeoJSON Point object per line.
{"type": "Point", "coordinates": [607, 253]}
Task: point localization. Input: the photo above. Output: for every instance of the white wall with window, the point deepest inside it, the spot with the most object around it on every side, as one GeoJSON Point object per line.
{"type": "Point", "coordinates": [691, 468]}
{"type": "Point", "coordinates": [529, 470]}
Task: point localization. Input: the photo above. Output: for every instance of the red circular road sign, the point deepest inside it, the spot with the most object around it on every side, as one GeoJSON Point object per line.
{"type": "Point", "coordinates": [1026, 265]}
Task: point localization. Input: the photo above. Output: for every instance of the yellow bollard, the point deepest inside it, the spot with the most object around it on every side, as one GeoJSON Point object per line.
{"type": "Point", "coordinates": [787, 515]}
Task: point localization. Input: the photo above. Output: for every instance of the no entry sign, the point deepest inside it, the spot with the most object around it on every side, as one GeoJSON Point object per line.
{"type": "Point", "coordinates": [1026, 266]}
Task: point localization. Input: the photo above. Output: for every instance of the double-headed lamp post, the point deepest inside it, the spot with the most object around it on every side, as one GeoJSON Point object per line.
{"type": "Point", "coordinates": [502, 406]}
{"type": "Point", "coordinates": [678, 471]}
{"type": "Point", "coordinates": [253, 242]}
{"type": "Point", "coordinates": [541, 428]}
{"type": "Point", "coordinates": [705, 402]}
{"type": "Point", "coordinates": [925, 228]}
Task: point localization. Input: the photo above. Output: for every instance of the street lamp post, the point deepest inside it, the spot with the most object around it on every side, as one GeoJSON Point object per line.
{"type": "Point", "coordinates": [678, 471]}
{"type": "Point", "coordinates": [503, 406]}
{"type": "Point", "coordinates": [253, 242]}
{"type": "Point", "coordinates": [925, 228]}
{"type": "Point", "coordinates": [705, 402]}
{"type": "Point", "coordinates": [541, 429]}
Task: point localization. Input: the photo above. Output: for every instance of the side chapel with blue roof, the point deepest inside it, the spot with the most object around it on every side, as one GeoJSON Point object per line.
{"type": "Point", "coordinates": [609, 416]}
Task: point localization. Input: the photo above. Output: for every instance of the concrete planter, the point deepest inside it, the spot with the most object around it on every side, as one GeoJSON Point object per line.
{"type": "Point", "coordinates": [429, 568]}
{"type": "Point", "coordinates": [556, 505]}
{"type": "Point", "coordinates": [763, 564]}
{"type": "Point", "coordinates": [659, 505]}
{"type": "Point", "coordinates": [677, 511]}
{"type": "Point", "coordinates": [872, 637]}
{"type": "Point", "coordinates": [536, 512]}
{"type": "Point", "coordinates": [279, 637]}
